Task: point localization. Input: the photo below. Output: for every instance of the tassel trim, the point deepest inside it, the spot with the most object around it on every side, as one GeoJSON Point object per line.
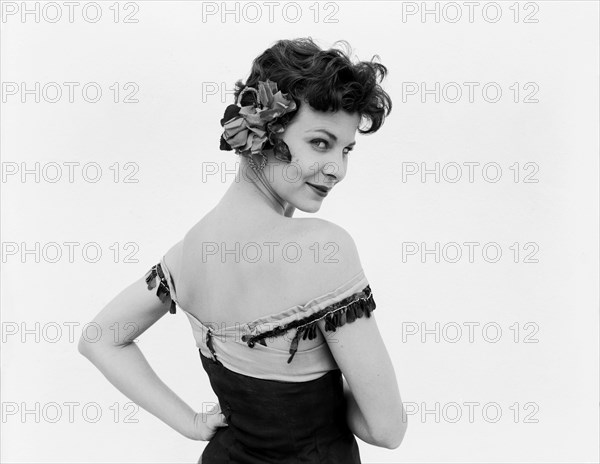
{"type": "Point", "coordinates": [163, 292]}
{"type": "Point", "coordinates": [336, 315]}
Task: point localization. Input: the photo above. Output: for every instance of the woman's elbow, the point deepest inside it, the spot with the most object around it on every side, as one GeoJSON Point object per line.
{"type": "Point", "coordinates": [84, 347]}
{"type": "Point", "coordinates": [88, 347]}
{"type": "Point", "coordinates": [394, 436]}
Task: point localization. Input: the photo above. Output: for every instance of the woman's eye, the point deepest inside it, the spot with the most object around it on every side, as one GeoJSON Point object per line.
{"type": "Point", "coordinates": [325, 145]}
{"type": "Point", "coordinates": [320, 141]}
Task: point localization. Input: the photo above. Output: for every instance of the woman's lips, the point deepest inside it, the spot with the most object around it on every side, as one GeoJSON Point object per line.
{"type": "Point", "coordinates": [318, 191]}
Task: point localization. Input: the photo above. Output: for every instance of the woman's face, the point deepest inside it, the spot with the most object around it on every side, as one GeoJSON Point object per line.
{"type": "Point", "coordinates": [319, 143]}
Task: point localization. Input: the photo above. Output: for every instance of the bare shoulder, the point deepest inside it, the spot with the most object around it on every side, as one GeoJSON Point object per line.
{"type": "Point", "coordinates": [327, 230]}
{"type": "Point", "coordinates": [322, 225]}
{"type": "Point", "coordinates": [333, 257]}
{"type": "Point", "coordinates": [173, 257]}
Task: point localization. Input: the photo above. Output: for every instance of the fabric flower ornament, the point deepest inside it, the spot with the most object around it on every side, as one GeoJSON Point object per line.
{"type": "Point", "coordinates": [249, 129]}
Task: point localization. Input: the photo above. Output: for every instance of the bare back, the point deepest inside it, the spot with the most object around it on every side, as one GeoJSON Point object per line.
{"type": "Point", "coordinates": [232, 273]}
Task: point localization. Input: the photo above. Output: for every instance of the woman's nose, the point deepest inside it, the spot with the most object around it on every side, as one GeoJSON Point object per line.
{"type": "Point", "coordinates": [336, 167]}
{"type": "Point", "coordinates": [331, 172]}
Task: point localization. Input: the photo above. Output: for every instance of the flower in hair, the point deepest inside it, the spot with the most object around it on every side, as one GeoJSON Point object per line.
{"type": "Point", "coordinates": [249, 129]}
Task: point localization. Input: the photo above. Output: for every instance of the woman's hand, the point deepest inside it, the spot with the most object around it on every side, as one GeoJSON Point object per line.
{"type": "Point", "coordinates": [206, 424]}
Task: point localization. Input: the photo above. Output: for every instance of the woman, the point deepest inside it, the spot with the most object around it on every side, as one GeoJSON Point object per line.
{"type": "Point", "coordinates": [280, 307]}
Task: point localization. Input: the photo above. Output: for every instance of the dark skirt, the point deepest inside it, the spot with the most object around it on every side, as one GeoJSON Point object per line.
{"type": "Point", "coordinates": [279, 422]}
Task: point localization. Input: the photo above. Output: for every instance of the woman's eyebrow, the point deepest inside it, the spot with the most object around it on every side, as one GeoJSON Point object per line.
{"type": "Point", "coordinates": [330, 135]}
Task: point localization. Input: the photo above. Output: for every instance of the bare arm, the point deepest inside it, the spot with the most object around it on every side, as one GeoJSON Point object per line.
{"type": "Point", "coordinates": [356, 421]}
{"type": "Point", "coordinates": [128, 370]}
{"type": "Point", "coordinates": [375, 411]}
{"type": "Point", "coordinates": [121, 361]}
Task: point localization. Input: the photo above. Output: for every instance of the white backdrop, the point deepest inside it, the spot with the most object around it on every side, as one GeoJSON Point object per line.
{"type": "Point", "coordinates": [492, 146]}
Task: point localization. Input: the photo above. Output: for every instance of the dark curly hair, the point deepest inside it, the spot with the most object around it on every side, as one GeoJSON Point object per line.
{"type": "Point", "coordinates": [326, 79]}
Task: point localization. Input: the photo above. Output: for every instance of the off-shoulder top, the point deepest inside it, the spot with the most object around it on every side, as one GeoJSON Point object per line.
{"type": "Point", "coordinates": [243, 348]}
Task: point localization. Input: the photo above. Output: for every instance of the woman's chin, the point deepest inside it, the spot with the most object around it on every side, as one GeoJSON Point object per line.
{"type": "Point", "coordinates": [309, 207]}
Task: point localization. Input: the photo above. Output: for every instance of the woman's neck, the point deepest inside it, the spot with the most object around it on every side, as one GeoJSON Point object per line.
{"type": "Point", "coordinates": [251, 195]}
